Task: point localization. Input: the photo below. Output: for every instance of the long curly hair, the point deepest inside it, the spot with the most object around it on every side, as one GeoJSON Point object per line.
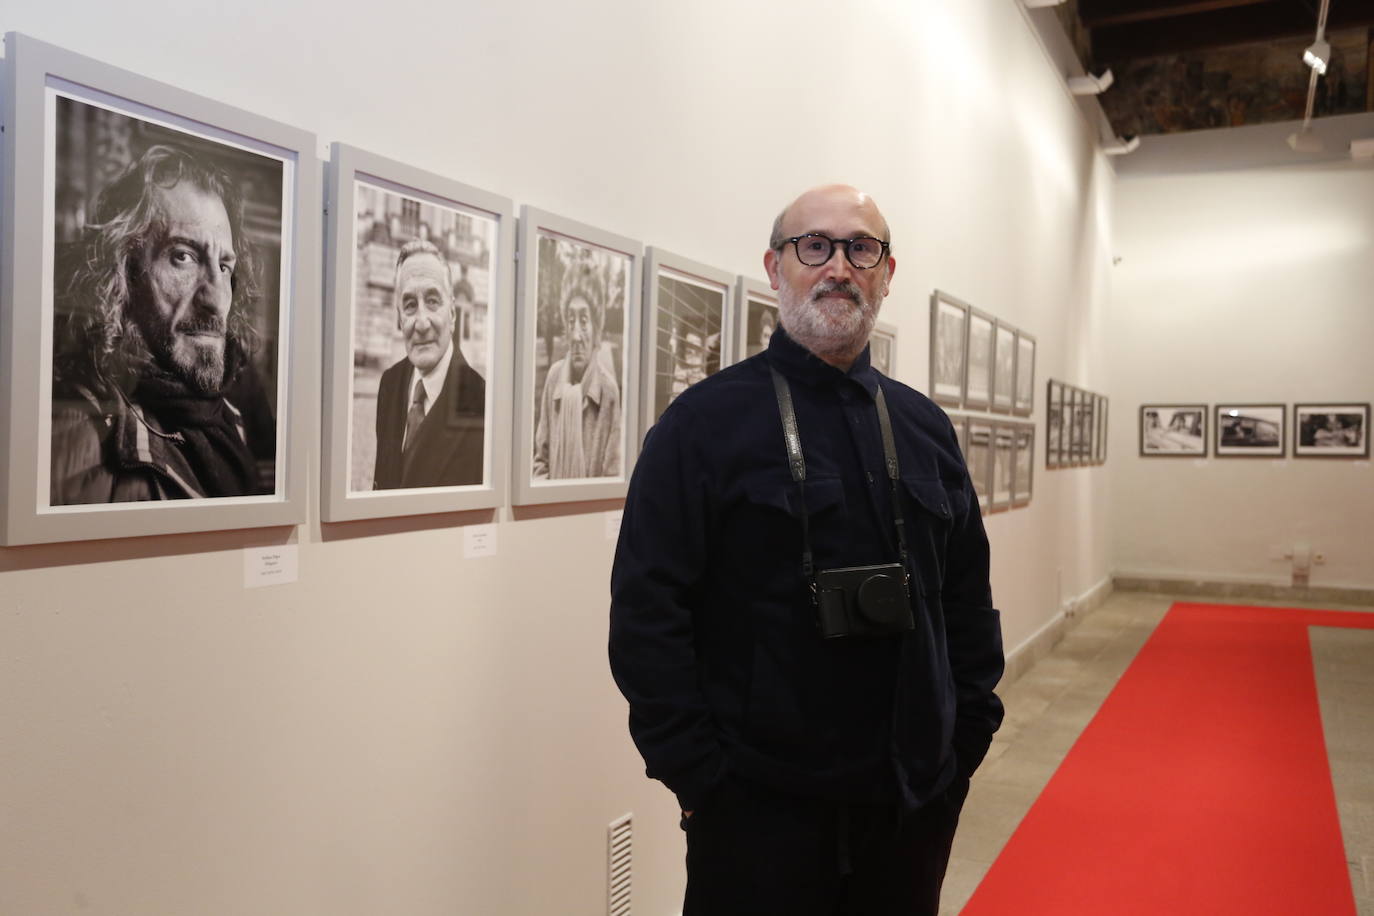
{"type": "Point", "coordinates": [96, 341]}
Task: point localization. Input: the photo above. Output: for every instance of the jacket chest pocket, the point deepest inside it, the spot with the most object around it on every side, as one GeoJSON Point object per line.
{"type": "Point", "coordinates": [933, 507]}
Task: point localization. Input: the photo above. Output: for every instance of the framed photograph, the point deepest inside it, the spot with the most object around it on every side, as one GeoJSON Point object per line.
{"type": "Point", "coordinates": [1004, 368]}
{"type": "Point", "coordinates": [1073, 418]}
{"type": "Point", "coordinates": [758, 316]}
{"type": "Point", "coordinates": [1100, 441]}
{"type": "Point", "coordinates": [1004, 466]}
{"type": "Point", "coordinates": [577, 354]}
{"type": "Point", "coordinates": [688, 310]}
{"type": "Point", "coordinates": [178, 397]}
{"type": "Point", "coordinates": [1331, 430]}
{"type": "Point", "coordinates": [978, 457]}
{"type": "Point", "coordinates": [1023, 472]}
{"type": "Point", "coordinates": [1173, 430]}
{"type": "Point", "coordinates": [421, 291]}
{"type": "Point", "coordinates": [1086, 443]}
{"type": "Point", "coordinates": [1250, 430]}
{"type": "Point", "coordinates": [978, 360]}
{"type": "Point", "coordinates": [1024, 401]}
{"type": "Point", "coordinates": [949, 325]}
{"type": "Point", "coordinates": [882, 348]}
{"type": "Point", "coordinates": [1054, 422]}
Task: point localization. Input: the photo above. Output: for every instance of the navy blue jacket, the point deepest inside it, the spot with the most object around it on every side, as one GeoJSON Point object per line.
{"type": "Point", "coordinates": [713, 639]}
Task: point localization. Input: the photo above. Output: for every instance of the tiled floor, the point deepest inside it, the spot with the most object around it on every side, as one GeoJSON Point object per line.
{"type": "Point", "coordinates": [1049, 706]}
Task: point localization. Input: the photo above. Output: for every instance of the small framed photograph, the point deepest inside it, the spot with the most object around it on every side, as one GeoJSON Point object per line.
{"type": "Point", "coordinates": [1073, 420]}
{"type": "Point", "coordinates": [1250, 430]}
{"type": "Point", "coordinates": [1023, 474]}
{"type": "Point", "coordinates": [882, 348]}
{"type": "Point", "coordinates": [1024, 403]}
{"type": "Point", "coordinates": [978, 457]}
{"type": "Point", "coordinates": [978, 360]}
{"type": "Point", "coordinates": [1173, 430]}
{"type": "Point", "coordinates": [1331, 430]}
{"type": "Point", "coordinates": [1054, 423]}
{"type": "Point", "coordinates": [688, 308]}
{"type": "Point", "coordinates": [1004, 466]}
{"type": "Point", "coordinates": [758, 317]}
{"type": "Point", "coordinates": [1100, 448]}
{"type": "Point", "coordinates": [1004, 368]}
{"type": "Point", "coordinates": [420, 286]}
{"type": "Point", "coordinates": [577, 354]}
{"type": "Point", "coordinates": [1087, 443]}
{"type": "Point", "coordinates": [949, 326]}
{"type": "Point", "coordinates": [160, 306]}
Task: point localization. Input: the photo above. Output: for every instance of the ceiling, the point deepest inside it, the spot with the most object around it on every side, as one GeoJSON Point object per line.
{"type": "Point", "coordinates": [1185, 65]}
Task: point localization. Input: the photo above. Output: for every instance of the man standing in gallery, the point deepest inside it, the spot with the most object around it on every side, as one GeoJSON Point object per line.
{"type": "Point", "coordinates": [801, 618]}
{"type": "Point", "coordinates": [153, 392]}
{"type": "Point", "coordinates": [578, 431]}
{"type": "Point", "coordinates": [431, 404]}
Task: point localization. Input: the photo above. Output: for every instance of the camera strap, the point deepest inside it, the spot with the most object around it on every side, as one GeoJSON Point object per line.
{"type": "Point", "coordinates": [797, 464]}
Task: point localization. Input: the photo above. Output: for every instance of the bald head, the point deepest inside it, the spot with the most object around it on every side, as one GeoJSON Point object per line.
{"type": "Point", "coordinates": [830, 201]}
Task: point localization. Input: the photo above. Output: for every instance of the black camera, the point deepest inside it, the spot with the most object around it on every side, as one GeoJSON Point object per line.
{"type": "Point", "coordinates": [863, 601]}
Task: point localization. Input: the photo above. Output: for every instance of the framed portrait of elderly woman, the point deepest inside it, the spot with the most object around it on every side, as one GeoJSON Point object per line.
{"type": "Point", "coordinates": [159, 311]}
{"type": "Point", "coordinates": [689, 309]}
{"type": "Point", "coordinates": [577, 360]}
{"type": "Point", "coordinates": [420, 284]}
{"type": "Point", "coordinates": [757, 317]}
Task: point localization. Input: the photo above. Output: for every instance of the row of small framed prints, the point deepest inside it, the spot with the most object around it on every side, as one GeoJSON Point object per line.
{"type": "Point", "coordinates": [1323, 430]}
{"type": "Point", "coordinates": [1076, 431]}
{"type": "Point", "coordinates": [978, 361]}
{"type": "Point", "coordinates": [1000, 455]}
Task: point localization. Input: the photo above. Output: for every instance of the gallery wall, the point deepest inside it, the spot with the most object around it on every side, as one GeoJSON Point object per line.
{"type": "Point", "coordinates": [1248, 287]}
{"type": "Point", "coordinates": [406, 730]}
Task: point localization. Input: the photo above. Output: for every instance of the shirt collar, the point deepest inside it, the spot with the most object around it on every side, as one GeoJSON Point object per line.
{"type": "Point", "coordinates": [433, 379]}
{"type": "Point", "coordinates": [798, 363]}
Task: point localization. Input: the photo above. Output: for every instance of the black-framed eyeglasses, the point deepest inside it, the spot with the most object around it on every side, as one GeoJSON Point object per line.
{"type": "Point", "coordinates": [863, 251]}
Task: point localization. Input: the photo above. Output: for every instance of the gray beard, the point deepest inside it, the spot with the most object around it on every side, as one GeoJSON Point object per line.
{"type": "Point", "coordinates": [830, 334]}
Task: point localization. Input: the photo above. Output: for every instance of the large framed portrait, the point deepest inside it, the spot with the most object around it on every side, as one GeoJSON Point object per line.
{"type": "Point", "coordinates": [1023, 473]}
{"type": "Point", "coordinates": [688, 310]}
{"type": "Point", "coordinates": [1004, 368]}
{"type": "Point", "coordinates": [758, 316]}
{"type": "Point", "coordinates": [882, 348]}
{"type": "Point", "coordinates": [1003, 465]}
{"type": "Point", "coordinates": [978, 360]}
{"type": "Point", "coordinates": [1024, 400]}
{"type": "Point", "coordinates": [1054, 422]}
{"type": "Point", "coordinates": [949, 325]}
{"type": "Point", "coordinates": [160, 306]}
{"type": "Point", "coordinates": [577, 355]}
{"type": "Point", "coordinates": [1250, 430]}
{"type": "Point", "coordinates": [1331, 430]}
{"type": "Point", "coordinates": [1173, 430]}
{"type": "Point", "coordinates": [420, 285]}
{"type": "Point", "coordinates": [978, 456]}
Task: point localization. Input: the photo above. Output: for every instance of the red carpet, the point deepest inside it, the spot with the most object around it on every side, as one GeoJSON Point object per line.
{"type": "Point", "coordinates": [1201, 786]}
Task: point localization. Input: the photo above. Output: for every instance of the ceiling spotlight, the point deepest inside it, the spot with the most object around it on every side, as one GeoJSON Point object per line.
{"type": "Point", "coordinates": [1305, 141]}
{"type": "Point", "coordinates": [1090, 85]}
{"type": "Point", "coordinates": [1318, 55]}
{"type": "Point", "coordinates": [1121, 145]}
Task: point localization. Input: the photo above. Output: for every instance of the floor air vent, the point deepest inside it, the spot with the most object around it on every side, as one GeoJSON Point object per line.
{"type": "Point", "coordinates": [619, 865]}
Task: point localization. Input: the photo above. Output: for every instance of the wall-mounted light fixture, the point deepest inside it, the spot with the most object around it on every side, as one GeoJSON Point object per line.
{"type": "Point", "coordinates": [1318, 55]}
{"type": "Point", "coordinates": [1090, 85]}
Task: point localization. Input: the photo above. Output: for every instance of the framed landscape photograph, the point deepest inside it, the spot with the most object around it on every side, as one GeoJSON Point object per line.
{"type": "Point", "coordinates": [1004, 466]}
{"type": "Point", "coordinates": [882, 348]}
{"type": "Point", "coordinates": [758, 317]}
{"type": "Point", "coordinates": [178, 397]}
{"type": "Point", "coordinates": [1022, 479]}
{"type": "Point", "coordinates": [688, 308]}
{"type": "Point", "coordinates": [577, 355]}
{"type": "Point", "coordinates": [1004, 368]}
{"type": "Point", "coordinates": [1024, 402]}
{"type": "Point", "coordinates": [1054, 423]}
{"type": "Point", "coordinates": [1250, 430]}
{"type": "Point", "coordinates": [978, 360]}
{"type": "Point", "coordinates": [1331, 430]}
{"type": "Point", "coordinates": [949, 327]}
{"type": "Point", "coordinates": [978, 456]}
{"type": "Point", "coordinates": [420, 286]}
{"type": "Point", "coordinates": [1173, 430]}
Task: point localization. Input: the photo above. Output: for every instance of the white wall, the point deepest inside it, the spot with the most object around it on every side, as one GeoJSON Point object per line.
{"type": "Point", "coordinates": [405, 731]}
{"type": "Point", "coordinates": [1244, 287]}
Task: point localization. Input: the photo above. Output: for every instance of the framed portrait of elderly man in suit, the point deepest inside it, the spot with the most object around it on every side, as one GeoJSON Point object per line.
{"type": "Point", "coordinates": [419, 285]}
{"type": "Point", "coordinates": [160, 268]}
{"type": "Point", "coordinates": [577, 344]}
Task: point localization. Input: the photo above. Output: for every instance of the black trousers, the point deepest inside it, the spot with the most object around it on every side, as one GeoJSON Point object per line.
{"type": "Point", "coordinates": [755, 852]}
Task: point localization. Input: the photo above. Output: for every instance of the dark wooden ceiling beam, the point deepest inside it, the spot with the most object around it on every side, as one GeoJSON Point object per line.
{"type": "Point", "coordinates": [1099, 13]}
{"type": "Point", "coordinates": [1222, 28]}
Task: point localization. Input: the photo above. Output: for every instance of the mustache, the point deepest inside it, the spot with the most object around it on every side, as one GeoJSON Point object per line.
{"type": "Point", "coordinates": [846, 288]}
{"type": "Point", "coordinates": [203, 324]}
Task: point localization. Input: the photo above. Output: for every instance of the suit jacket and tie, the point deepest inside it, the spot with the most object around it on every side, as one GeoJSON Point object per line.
{"type": "Point", "coordinates": [447, 449]}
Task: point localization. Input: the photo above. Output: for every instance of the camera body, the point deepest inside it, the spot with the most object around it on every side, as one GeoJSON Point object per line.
{"type": "Point", "coordinates": [863, 601]}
